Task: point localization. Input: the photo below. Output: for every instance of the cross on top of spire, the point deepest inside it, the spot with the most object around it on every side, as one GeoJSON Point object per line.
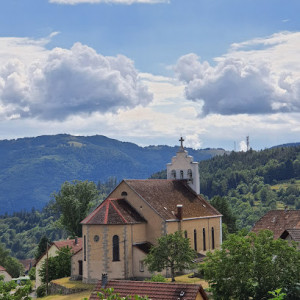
{"type": "Point", "coordinates": [181, 140]}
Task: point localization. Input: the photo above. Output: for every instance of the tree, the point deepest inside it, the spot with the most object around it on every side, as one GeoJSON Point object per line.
{"type": "Point", "coordinates": [11, 264]}
{"type": "Point", "coordinates": [222, 205]}
{"type": "Point", "coordinates": [42, 247]}
{"type": "Point", "coordinates": [58, 266]}
{"type": "Point", "coordinates": [250, 266]}
{"type": "Point", "coordinates": [11, 291]}
{"type": "Point", "coordinates": [73, 203]}
{"type": "Point", "coordinates": [173, 251]}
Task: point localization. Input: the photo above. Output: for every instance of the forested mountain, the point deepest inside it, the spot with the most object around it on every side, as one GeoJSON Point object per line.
{"type": "Point", "coordinates": [32, 168]}
{"type": "Point", "coordinates": [253, 182]}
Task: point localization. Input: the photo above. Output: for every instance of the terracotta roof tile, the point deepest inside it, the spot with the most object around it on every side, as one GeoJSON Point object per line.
{"type": "Point", "coordinates": [2, 268]}
{"type": "Point", "coordinates": [163, 196]}
{"type": "Point", "coordinates": [278, 221]}
{"type": "Point", "coordinates": [154, 290]}
{"type": "Point", "coordinates": [114, 211]}
{"type": "Point", "coordinates": [27, 263]}
{"type": "Point", "coordinates": [70, 243]}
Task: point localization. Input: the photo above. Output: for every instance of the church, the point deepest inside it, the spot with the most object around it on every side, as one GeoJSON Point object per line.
{"type": "Point", "coordinates": [118, 234]}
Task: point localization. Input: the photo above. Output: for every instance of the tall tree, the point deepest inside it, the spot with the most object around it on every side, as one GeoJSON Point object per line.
{"type": "Point", "coordinates": [251, 266]}
{"type": "Point", "coordinates": [42, 247]}
{"type": "Point", "coordinates": [73, 203]}
{"type": "Point", "coordinates": [222, 205]}
{"type": "Point", "coordinates": [173, 251]}
{"type": "Point", "coordinates": [11, 264]}
{"type": "Point", "coordinates": [58, 266]}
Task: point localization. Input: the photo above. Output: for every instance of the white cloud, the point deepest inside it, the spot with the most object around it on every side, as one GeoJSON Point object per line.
{"type": "Point", "coordinates": [128, 2]}
{"type": "Point", "coordinates": [243, 146]}
{"type": "Point", "coordinates": [63, 82]}
{"type": "Point", "coordinates": [260, 76]}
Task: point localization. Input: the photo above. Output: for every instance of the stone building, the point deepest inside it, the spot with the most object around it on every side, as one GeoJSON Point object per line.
{"type": "Point", "coordinates": [118, 234]}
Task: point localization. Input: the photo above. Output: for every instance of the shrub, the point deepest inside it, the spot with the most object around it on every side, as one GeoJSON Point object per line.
{"type": "Point", "coordinates": [41, 291]}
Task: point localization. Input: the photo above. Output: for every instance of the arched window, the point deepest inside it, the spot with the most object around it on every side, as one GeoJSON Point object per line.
{"type": "Point", "coordinates": [195, 239]}
{"type": "Point", "coordinates": [181, 174]}
{"type": "Point", "coordinates": [124, 194]}
{"type": "Point", "coordinates": [190, 174]}
{"type": "Point", "coordinates": [116, 248]}
{"type": "Point", "coordinates": [173, 174]}
{"type": "Point", "coordinates": [212, 238]}
{"type": "Point", "coordinates": [204, 242]}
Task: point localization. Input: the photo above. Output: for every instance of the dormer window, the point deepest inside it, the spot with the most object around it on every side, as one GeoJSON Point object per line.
{"type": "Point", "coordinates": [181, 174]}
{"type": "Point", "coordinates": [173, 174]}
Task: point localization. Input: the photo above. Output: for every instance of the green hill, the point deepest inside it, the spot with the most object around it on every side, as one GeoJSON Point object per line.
{"type": "Point", "coordinates": [32, 168]}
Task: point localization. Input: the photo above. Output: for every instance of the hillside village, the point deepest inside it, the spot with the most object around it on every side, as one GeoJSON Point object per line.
{"type": "Point", "coordinates": [118, 234]}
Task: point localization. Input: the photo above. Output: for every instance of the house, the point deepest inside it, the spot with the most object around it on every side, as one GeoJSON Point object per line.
{"type": "Point", "coordinates": [4, 273]}
{"type": "Point", "coordinates": [154, 290]}
{"type": "Point", "coordinates": [292, 235]}
{"type": "Point", "coordinates": [118, 234]}
{"type": "Point", "coordinates": [27, 264]}
{"type": "Point", "coordinates": [278, 221]}
{"type": "Point", "coordinates": [76, 260]}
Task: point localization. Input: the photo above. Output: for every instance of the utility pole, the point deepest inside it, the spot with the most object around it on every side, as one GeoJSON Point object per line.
{"type": "Point", "coordinates": [47, 271]}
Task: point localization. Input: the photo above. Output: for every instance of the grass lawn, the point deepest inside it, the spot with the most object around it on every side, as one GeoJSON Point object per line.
{"type": "Point", "coordinates": [66, 282]}
{"type": "Point", "coordinates": [185, 279]}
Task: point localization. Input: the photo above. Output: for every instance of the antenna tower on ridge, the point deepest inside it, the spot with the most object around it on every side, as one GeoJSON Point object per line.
{"type": "Point", "coordinates": [248, 143]}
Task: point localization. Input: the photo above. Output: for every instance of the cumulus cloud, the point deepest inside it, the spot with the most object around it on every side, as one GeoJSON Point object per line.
{"type": "Point", "coordinates": [65, 82]}
{"type": "Point", "coordinates": [260, 76]}
{"type": "Point", "coordinates": [128, 2]}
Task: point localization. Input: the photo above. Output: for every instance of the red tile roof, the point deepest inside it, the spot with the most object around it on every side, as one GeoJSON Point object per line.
{"type": "Point", "coordinates": [278, 221]}
{"type": "Point", "coordinates": [27, 263]}
{"type": "Point", "coordinates": [154, 290]}
{"type": "Point", "coordinates": [2, 268]}
{"type": "Point", "coordinates": [69, 243]}
{"type": "Point", "coordinates": [164, 195]}
{"type": "Point", "coordinates": [114, 211]}
{"type": "Point", "coordinates": [64, 243]}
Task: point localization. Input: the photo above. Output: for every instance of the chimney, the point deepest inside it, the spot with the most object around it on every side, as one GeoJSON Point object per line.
{"type": "Point", "coordinates": [179, 211]}
{"type": "Point", "coordinates": [104, 280]}
{"type": "Point", "coordinates": [76, 240]}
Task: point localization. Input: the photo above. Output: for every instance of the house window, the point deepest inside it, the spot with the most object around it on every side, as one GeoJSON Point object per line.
{"type": "Point", "coordinates": [84, 248]}
{"type": "Point", "coordinates": [185, 234]}
{"type": "Point", "coordinates": [173, 174]}
{"type": "Point", "coordinates": [190, 174]}
{"type": "Point", "coordinates": [80, 267]}
{"type": "Point", "coordinates": [116, 248]}
{"type": "Point", "coordinates": [204, 242]}
{"type": "Point", "coordinates": [141, 266]}
{"type": "Point", "coordinates": [212, 238]}
{"type": "Point", "coordinates": [195, 239]}
{"type": "Point", "coordinates": [181, 174]}
{"type": "Point", "coordinates": [124, 194]}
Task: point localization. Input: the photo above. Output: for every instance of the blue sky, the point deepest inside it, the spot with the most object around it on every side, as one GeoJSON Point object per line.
{"type": "Point", "coordinates": [149, 71]}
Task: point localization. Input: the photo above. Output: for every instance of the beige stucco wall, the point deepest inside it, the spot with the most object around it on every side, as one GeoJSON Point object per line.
{"type": "Point", "coordinates": [139, 256]}
{"type": "Point", "coordinates": [199, 224]}
{"type": "Point", "coordinates": [99, 255]}
{"type": "Point", "coordinates": [155, 224]}
{"type": "Point", "coordinates": [7, 277]}
{"type": "Point", "coordinates": [51, 253]}
{"type": "Point", "coordinates": [75, 264]}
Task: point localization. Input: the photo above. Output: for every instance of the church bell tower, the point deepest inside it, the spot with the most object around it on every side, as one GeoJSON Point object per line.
{"type": "Point", "coordinates": [183, 167]}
